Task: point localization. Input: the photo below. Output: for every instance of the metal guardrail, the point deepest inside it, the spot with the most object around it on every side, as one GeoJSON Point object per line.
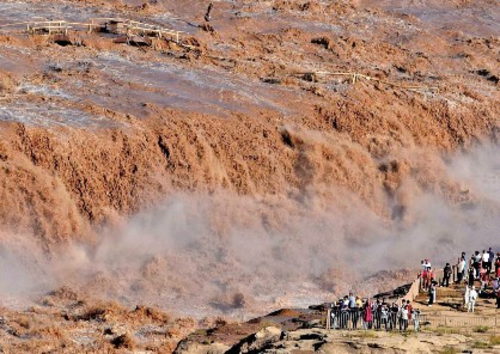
{"type": "Point", "coordinates": [389, 321]}
{"type": "Point", "coordinates": [459, 324]}
{"type": "Point", "coordinates": [354, 320]}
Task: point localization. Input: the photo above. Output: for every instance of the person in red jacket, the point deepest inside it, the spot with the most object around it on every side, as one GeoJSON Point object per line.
{"type": "Point", "coordinates": [410, 309]}
{"type": "Point", "coordinates": [430, 277]}
{"type": "Point", "coordinates": [367, 315]}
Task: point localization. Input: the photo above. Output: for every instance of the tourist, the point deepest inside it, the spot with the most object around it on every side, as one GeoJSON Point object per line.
{"type": "Point", "coordinates": [351, 301]}
{"type": "Point", "coordinates": [384, 316]}
{"type": "Point", "coordinates": [466, 295]}
{"type": "Point", "coordinates": [394, 315]}
{"type": "Point", "coordinates": [359, 303]}
{"type": "Point", "coordinates": [491, 259]}
{"type": "Point", "coordinates": [423, 279]}
{"type": "Point", "coordinates": [367, 315]}
{"type": "Point", "coordinates": [462, 264]}
{"type": "Point", "coordinates": [427, 263]}
{"type": "Point", "coordinates": [485, 279]}
{"type": "Point", "coordinates": [404, 317]}
{"type": "Point", "coordinates": [344, 312]}
{"type": "Point", "coordinates": [353, 310]}
{"type": "Point", "coordinates": [497, 266]}
{"type": "Point", "coordinates": [400, 317]}
{"type": "Point", "coordinates": [477, 262]}
{"type": "Point", "coordinates": [472, 299]}
{"type": "Point", "coordinates": [472, 263]}
{"type": "Point", "coordinates": [376, 313]}
{"type": "Point", "coordinates": [431, 294]}
{"type": "Point", "coordinates": [496, 285]}
{"type": "Point", "coordinates": [416, 321]}
{"type": "Point", "coordinates": [410, 310]}
{"type": "Point", "coordinates": [485, 259]}
{"type": "Point", "coordinates": [472, 276]}
{"type": "Point", "coordinates": [447, 271]}
{"type": "Point", "coordinates": [430, 277]}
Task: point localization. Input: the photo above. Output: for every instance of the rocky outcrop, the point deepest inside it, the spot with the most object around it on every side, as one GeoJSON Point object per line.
{"type": "Point", "coordinates": [258, 342]}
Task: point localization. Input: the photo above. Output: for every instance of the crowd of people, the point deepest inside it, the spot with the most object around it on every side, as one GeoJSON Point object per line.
{"type": "Point", "coordinates": [483, 267]}
{"type": "Point", "coordinates": [353, 312]}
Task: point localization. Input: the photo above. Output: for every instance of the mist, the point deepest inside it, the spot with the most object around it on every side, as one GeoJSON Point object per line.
{"type": "Point", "coordinates": [202, 254]}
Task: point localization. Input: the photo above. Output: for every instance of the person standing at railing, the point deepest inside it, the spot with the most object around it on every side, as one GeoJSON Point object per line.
{"type": "Point", "coordinates": [394, 315]}
{"type": "Point", "coordinates": [404, 317]}
{"type": "Point", "coordinates": [353, 310]}
{"type": "Point", "coordinates": [359, 303]}
{"type": "Point", "coordinates": [344, 312]}
{"type": "Point", "coordinates": [376, 313]}
{"type": "Point", "coordinates": [410, 310]}
{"type": "Point", "coordinates": [416, 321]}
{"type": "Point", "coordinates": [429, 275]}
{"type": "Point", "coordinates": [384, 316]}
{"type": "Point", "coordinates": [334, 316]}
{"type": "Point", "coordinates": [367, 314]}
{"type": "Point", "coordinates": [432, 294]}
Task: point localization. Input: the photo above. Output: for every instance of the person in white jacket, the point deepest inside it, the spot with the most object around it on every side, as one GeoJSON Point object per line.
{"type": "Point", "coordinates": [472, 299]}
{"type": "Point", "coordinates": [466, 296]}
{"type": "Point", "coordinates": [462, 264]}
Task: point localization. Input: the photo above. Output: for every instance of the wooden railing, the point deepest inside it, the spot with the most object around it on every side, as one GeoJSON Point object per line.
{"type": "Point", "coordinates": [122, 26]}
{"type": "Point", "coordinates": [354, 77]}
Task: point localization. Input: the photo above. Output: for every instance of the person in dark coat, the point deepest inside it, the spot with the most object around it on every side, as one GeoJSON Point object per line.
{"type": "Point", "coordinates": [447, 274]}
